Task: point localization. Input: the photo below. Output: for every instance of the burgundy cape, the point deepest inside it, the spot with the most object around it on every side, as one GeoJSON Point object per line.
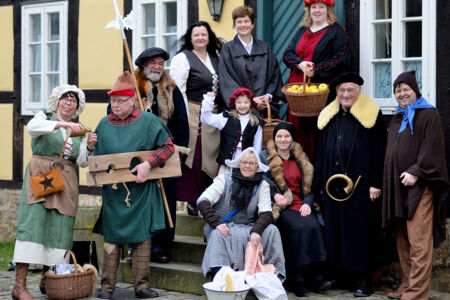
{"type": "Point", "coordinates": [421, 154]}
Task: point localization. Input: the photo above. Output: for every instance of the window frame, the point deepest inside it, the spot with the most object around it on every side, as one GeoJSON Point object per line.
{"type": "Point", "coordinates": [138, 45]}
{"type": "Point", "coordinates": [367, 52]}
{"type": "Point", "coordinates": [28, 107]}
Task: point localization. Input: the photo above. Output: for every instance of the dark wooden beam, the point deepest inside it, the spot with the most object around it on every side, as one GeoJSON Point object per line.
{"type": "Point", "coordinates": [72, 51]}
{"type": "Point", "coordinates": [91, 190]}
{"type": "Point", "coordinates": [6, 97]}
{"type": "Point", "coordinates": [11, 184]}
{"type": "Point", "coordinates": [127, 7]}
{"type": "Point", "coordinates": [442, 73]}
{"type": "Point", "coordinates": [253, 4]}
{"type": "Point", "coordinates": [351, 10]}
{"type": "Point", "coordinates": [192, 12]}
{"type": "Point", "coordinates": [16, 97]}
{"type": "Point", "coordinates": [5, 2]}
{"type": "Point", "coordinates": [96, 96]}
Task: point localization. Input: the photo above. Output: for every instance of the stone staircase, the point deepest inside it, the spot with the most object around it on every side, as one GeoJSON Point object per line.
{"type": "Point", "coordinates": [183, 273]}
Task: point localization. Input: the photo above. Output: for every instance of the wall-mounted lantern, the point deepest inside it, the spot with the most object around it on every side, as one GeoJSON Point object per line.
{"type": "Point", "coordinates": [215, 8]}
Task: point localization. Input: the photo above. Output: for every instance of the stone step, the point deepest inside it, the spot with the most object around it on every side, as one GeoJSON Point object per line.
{"type": "Point", "coordinates": [189, 225]}
{"type": "Point", "coordinates": [188, 249]}
{"type": "Point", "coordinates": [174, 276]}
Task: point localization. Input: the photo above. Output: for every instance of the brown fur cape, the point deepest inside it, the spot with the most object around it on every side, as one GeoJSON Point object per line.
{"type": "Point", "coordinates": [276, 168]}
{"type": "Point", "coordinates": [165, 86]}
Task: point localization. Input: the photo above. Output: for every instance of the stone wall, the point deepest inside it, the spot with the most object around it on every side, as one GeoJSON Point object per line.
{"type": "Point", "coordinates": [9, 204]}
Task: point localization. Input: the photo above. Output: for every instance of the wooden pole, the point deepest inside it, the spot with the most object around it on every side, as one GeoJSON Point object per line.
{"type": "Point", "coordinates": [130, 63]}
{"type": "Point", "coordinates": [141, 107]}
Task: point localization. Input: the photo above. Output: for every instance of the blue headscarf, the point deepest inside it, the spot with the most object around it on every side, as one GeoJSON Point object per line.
{"type": "Point", "coordinates": [410, 111]}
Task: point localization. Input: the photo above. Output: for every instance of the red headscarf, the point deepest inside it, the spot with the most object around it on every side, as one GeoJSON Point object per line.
{"type": "Point", "coordinates": [326, 2]}
{"type": "Point", "coordinates": [242, 91]}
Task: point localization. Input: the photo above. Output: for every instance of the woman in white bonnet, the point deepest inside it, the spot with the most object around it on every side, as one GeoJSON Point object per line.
{"type": "Point", "coordinates": [45, 225]}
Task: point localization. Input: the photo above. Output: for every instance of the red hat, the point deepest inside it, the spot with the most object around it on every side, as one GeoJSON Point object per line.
{"type": "Point", "coordinates": [326, 2]}
{"type": "Point", "coordinates": [242, 91]}
{"type": "Point", "coordinates": [123, 86]}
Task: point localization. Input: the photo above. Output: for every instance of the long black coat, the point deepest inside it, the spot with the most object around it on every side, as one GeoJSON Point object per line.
{"type": "Point", "coordinates": [258, 71]}
{"type": "Point", "coordinates": [351, 227]}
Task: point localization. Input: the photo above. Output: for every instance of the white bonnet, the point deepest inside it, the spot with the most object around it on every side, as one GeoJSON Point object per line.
{"type": "Point", "coordinates": [58, 91]}
{"type": "Point", "coordinates": [235, 163]}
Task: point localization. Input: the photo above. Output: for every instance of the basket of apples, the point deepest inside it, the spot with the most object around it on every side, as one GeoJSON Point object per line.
{"type": "Point", "coordinates": [306, 99]}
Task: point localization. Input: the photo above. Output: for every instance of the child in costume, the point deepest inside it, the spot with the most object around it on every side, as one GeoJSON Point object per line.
{"type": "Point", "coordinates": [239, 127]}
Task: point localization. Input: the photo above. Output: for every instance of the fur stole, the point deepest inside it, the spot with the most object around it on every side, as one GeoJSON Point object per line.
{"type": "Point", "coordinates": [276, 169]}
{"type": "Point", "coordinates": [165, 86]}
{"type": "Point", "coordinates": [365, 110]}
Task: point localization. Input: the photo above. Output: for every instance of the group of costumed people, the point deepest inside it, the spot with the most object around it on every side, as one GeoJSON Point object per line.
{"type": "Point", "coordinates": [292, 197]}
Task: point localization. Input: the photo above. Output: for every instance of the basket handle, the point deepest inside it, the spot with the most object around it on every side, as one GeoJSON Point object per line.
{"type": "Point", "coordinates": [269, 112]}
{"type": "Point", "coordinates": [75, 264]}
{"type": "Point", "coordinates": [305, 77]}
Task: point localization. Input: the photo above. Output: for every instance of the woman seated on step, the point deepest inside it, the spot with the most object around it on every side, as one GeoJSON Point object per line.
{"type": "Point", "coordinates": [237, 208]}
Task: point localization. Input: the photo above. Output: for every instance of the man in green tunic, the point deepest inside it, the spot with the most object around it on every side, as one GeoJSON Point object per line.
{"type": "Point", "coordinates": [133, 211]}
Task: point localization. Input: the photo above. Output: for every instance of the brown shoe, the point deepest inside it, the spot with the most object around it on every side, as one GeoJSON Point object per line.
{"type": "Point", "coordinates": [20, 291]}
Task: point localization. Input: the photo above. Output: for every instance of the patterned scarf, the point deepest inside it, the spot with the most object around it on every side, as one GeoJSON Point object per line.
{"type": "Point", "coordinates": [410, 111]}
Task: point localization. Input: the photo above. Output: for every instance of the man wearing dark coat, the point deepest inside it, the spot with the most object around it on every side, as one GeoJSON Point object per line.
{"type": "Point", "coordinates": [249, 62]}
{"type": "Point", "coordinates": [415, 186]}
{"type": "Point", "coordinates": [163, 98]}
{"type": "Point", "coordinates": [352, 142]}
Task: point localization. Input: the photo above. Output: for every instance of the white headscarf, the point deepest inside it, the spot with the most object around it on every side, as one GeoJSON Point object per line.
{"type": "Point", "coordinates": [235, 163]}
{"type": "Point", "coordinates": [58, 91]}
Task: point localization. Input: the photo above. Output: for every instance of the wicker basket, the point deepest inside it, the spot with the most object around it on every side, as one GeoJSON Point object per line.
{"type": "Point", "coordinates": [305, 104]}
{"type": "Point", "coordinates": [69, 286]}
{"type": "Point", "coordinates": [267, 130]}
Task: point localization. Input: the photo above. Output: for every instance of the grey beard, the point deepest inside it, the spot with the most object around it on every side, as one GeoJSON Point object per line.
{"type": "Point", "coordinates": [152, 76]}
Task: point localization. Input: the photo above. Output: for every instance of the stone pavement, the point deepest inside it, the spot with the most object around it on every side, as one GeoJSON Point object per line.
{"type": "Point", "coordinates": [124, 291]}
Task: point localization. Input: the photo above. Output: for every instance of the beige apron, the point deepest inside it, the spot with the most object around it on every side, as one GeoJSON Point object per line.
{"type": "Point", "coordinates": [65, 201]}
{"type": "Point", "coordinates": [210, 137]}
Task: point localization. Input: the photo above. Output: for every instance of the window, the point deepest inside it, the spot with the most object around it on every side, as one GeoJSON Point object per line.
{"type": "Point", "coordinates": [399, 40]}
{"type": "Point", "coordinates": [44, 53]}
{"type": "Point", "coordinates": [160, 23]}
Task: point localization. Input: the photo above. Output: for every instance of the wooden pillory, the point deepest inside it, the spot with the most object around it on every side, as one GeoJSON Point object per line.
{"type": "Point", "coordinates": [115, 168]}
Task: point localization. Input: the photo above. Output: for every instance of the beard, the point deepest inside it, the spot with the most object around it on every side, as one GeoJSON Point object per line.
{"type": "Point", "coordinates": [154, 75]}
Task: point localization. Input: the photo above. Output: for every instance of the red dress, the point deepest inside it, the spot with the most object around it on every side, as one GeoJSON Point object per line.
{"type": "Point", "coordinates": [293, 179]}
{"type": "Point", "coordinates": [305, 127]}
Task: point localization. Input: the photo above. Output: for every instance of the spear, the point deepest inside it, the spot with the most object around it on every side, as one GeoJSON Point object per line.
{"type": "Point", "coordinates": [119, 24]}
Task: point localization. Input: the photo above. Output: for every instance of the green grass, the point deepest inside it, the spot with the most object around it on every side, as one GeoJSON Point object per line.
{"type": "Point", "coordinates": [6, 254]}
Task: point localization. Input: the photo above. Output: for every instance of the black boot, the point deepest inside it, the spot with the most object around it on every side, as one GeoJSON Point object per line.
{"type": "Point", "coordinates": [364, 288]}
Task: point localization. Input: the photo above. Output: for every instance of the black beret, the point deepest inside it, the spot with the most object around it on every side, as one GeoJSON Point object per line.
{"type": "Point", "coordinates": [346, 77]}
{"type": "Point", "coordinates": [284, 125]}
{"type": "Point", "coordinates": [149, 53]}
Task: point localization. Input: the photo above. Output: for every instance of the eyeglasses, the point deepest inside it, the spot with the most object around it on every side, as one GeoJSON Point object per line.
{"type": "Point", "coordinates": [68, 101]}
{"type": "Point", "coordinates": [349, 90]}
{"type": "Point", "coordinates": [120, 101]}
{"type": "Point", "coordinates": [249, 163]}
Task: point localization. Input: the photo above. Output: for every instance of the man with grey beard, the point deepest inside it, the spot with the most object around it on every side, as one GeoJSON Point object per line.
{"type": "Point", "coordinates": [162, 97]}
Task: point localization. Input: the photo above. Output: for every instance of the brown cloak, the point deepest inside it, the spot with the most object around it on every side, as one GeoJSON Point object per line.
{"type": "Point", "coordinates": [421, 154]}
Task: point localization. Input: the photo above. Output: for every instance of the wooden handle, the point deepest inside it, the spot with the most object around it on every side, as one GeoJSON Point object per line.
{"type": "Point", "coordinates": [269, 112]}
{"type": "Point", "coordinates": [304, 82]}
{"type": "Point", "coordinates": [68, 132]}
{"type": "Point", "coordinates": [166, 205]}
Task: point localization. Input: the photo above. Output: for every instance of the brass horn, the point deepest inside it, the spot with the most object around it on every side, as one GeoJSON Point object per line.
{"type": "Point", "coordinates": [349, 189]}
